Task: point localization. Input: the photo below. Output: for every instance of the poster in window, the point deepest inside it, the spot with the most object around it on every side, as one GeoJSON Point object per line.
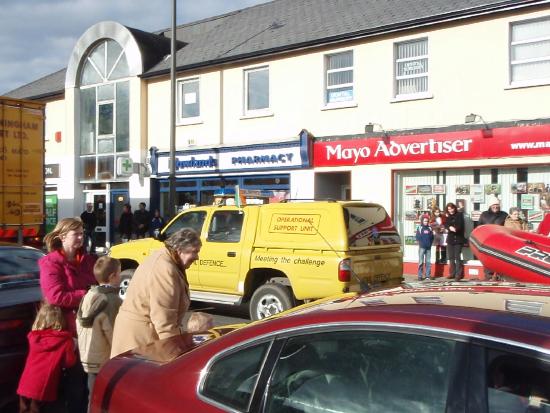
{"type": "Point", "coordinates": [411, 190]}
{"type": "Point", "coordinates": [519, 188]}
{"type": "Point", "coordinates": [438, 189]}
{"type": "Point", "coordinates": [424, 189]}
{"type": "Point", "coordinates": [461, 205]}
{"type": "Point", "coordinates": [535, 215]}
{"type": "Point", "coordinates": [410, 240]}
{"type": "Point", "coordinates": [475, 215]}
{"type": "Point", "coordinates": [493, 189]}
{"type": "Point", "coordinates": [431, 203]}
{"type": "Point", "coordinates": [545, 201]}
{"type": "Point", "coordinates": [477, 193]}
{"type": "Point", "coordinates": [535, 187]}
{"type": "Point", "coordinates": [527, 201]}
{"type": "Point", "coordinates": [462, 189]}
{"type": "Point", "coordinates": [411, 215]}
{"type": "Point", "coordinates": [417, 203]}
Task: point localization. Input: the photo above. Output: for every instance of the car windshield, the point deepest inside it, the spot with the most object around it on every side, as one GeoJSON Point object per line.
{"type": "Point", "coordinates": [18, 265]}
{"type": "Point", "coordinates": [369, 225]}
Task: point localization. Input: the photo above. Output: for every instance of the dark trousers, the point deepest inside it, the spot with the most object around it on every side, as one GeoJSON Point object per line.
{"type": "Point", "coordinates": [456, 269]}
{"type": "Point", "coordinates": [74, 389]}
{"type": "Point", "coordinates": [27, 405]}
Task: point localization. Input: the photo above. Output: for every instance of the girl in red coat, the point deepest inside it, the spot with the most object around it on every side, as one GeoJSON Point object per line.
{"type": "Point", "coordinates": [51, 348]}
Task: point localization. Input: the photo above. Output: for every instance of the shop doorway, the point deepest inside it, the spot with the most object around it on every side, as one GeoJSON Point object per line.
{"type": "Point", "coordinates": [101, 208]}
{"type": "Point", "coordinates": [119, 197]}
{"type": "Point", "coordinates": [333, 185]}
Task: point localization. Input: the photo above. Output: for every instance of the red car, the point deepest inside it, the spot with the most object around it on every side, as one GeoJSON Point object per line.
{"type": "Point", "coordinates": [439, 348]}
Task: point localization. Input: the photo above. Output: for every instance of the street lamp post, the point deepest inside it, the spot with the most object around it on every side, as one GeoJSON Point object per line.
{"type": "Point", "coordinates": [172, 175]}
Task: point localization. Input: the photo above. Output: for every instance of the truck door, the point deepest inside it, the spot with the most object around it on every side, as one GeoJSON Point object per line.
{"type": "Point", "coordinates": [220, 256]}
{"type": "Point", "coordinates": [193, 219]}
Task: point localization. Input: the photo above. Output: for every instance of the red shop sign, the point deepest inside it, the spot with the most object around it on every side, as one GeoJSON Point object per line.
{"type": "Point", "coordinates": [471, 144]}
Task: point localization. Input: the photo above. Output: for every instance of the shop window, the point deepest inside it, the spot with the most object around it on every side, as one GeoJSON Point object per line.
{"type": "Point", "coordinates": [339, 78]}
{"type": "Point", "coordinates": [411, 68]}
{"type": "Point", "coordinates": [530, 52]}
{"type": "Point", "coordinates": [189, 99]}
{"type": "Point", "coordinates": [104, 110]}
{"type": "Point", "coordinates": [256, 89]}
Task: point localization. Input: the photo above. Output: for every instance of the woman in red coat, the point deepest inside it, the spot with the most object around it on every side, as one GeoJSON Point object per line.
{"type": "Point", "coordinates": [51, 348]}
{"type": "Point", "coordinates": [66, 273]}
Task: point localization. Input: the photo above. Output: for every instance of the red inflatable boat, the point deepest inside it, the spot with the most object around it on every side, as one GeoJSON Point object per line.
{"type": "Point", "coordinates": [517, 255]}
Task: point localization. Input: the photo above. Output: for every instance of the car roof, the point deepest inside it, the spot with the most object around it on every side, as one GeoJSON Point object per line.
{"type": "Point", "coordinates": [505, 311]}
{"type": "Point", "coordinates": [502, 312]}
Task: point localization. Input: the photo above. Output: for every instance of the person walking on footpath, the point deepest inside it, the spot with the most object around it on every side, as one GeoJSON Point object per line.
{"type": "Point", "coordinates": [141, 220]}
{"type": "Point", "coordinates": [437, 222]}
{"type": "Point", "coordinates": [425, 238]}
{"type": "Point", "coordinates": [95, 318]}
{"type": "Point", "coordinates": [157, 223]}
{"type": "Point", "coordinates": [89, 219]}
{"type": "Point", "coordinates": [51, 349]}
{"type": "Point", "coordinates": [66, 273]}
{"type": "Point", "coordinates": [454, 223]}
{"type": "Point", "coordinates": [126, 223]}
{"type": "Point", "coordinates": [158, 296]}
{"type": "Point", "coordinates": [493, 216]}
{"type": "Point", "coordinates": [514, 221]}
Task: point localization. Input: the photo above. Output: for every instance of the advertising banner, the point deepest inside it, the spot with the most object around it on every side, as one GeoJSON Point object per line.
{"type": "Point", "coordinates": [457, 145]}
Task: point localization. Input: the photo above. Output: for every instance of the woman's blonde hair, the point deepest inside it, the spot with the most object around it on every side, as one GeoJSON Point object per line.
{"type": "Point", "coordinates": [53, 238]}
{"type": "Point", "coordinates": [49, 317]}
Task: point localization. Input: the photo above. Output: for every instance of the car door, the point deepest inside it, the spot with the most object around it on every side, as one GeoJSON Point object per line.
{"type": "Point", "coordinates": [513, 379]}
{"type": "Point", "coordinates": [220, 256]}
{"type": "Point", "coordinates": [367, 371]}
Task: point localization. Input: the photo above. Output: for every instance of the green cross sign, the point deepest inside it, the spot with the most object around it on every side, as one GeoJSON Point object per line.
{"type": "Point", "coordinates": [126, 166]}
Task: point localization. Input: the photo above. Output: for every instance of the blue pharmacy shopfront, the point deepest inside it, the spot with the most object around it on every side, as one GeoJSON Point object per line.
{"type": "Point", "coordinates": [267, 168]}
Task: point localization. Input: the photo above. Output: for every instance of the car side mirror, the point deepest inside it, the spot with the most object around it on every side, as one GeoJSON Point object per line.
{"type": "Point", "coordinates": [160, 236]}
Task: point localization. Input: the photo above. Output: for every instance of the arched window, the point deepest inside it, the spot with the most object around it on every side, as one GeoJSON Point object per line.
{"type": "Point", "coordinates": [104, 111]}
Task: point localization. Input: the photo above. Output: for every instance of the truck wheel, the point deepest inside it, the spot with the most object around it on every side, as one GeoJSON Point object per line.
{"type": "Point", "coordinates": [270, 299]}
{"type": "Point", "coordinates": [125, 277]}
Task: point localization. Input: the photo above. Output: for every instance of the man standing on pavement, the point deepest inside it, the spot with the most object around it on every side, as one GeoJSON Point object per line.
{"type": "Point", "coordinates": [141, 220]}
{"type": "Point", "coordinates": [89, 221]}
{"type": "Point", "coordinates": [493, 216]}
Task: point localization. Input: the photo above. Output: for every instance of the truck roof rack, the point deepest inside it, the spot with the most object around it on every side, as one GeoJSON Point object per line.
{"type": "Point", "coordinates": [308, 199]}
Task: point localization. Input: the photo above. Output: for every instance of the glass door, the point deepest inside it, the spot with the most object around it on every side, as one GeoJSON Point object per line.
{"type": "Point", "coordinates": [118, 199]}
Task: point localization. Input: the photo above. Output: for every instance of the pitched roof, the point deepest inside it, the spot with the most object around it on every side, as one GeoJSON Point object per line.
{"type": "Point", "coordinates": [283, 25]}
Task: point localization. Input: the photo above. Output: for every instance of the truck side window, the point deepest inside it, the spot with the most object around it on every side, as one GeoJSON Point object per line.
{"type": "Point", "coordinates": [193, 220]}
{"type": "Point", "coordinates": [226, 226]}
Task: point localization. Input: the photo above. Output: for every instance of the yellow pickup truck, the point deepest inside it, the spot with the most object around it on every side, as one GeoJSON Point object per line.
{"type": "Point", "coordinates": [275, 256]}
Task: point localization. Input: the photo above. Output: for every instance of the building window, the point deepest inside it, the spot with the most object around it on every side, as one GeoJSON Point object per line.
{"type": "Point", "coordinates": [530, 52]}
{"type": "Point", "coordinates": [339, 78]}
{"type": "Point", "coordinates": [411, 67]}
{"type": "Point", "coordinates": [104, 111]}
{"type": "Point", "coordinates": [189, 99]}
{"type": "Point", "coordinates": [257, 89]}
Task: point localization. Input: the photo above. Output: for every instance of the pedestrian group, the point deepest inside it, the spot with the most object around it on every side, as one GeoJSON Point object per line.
{"type": "Point", "coordinates": [82, 321]}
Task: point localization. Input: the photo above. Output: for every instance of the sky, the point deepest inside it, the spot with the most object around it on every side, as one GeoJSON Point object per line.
{"type": "Point", "coordinates": [37, 36]}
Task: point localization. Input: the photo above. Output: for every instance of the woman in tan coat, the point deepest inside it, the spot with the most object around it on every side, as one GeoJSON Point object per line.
{"type": "Point", "coordinates": [514, 221]}
{"type": "Point", "coordinates": [158, 295]}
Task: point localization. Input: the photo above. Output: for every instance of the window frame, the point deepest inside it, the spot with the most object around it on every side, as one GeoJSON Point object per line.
{"type": "Point", "coordinates": [326, 72]}
{"type": "Point", "coordinates": [530, 82]}
{"type": "Point", "coordinates": [114, 99]}
{"type": "Point", "coordinates": [188, 120]}
{"type": "Point", "coordinates": [261, 111]}
{"type": "Point", "coordinates": [396, 77]}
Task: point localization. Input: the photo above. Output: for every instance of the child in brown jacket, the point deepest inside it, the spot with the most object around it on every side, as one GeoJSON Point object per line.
{"type": "Point", "coordinates": [96, 317]}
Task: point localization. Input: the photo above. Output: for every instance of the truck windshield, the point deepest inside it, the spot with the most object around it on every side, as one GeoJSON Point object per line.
{"type": "Point", "coordinates": [369, 225]}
